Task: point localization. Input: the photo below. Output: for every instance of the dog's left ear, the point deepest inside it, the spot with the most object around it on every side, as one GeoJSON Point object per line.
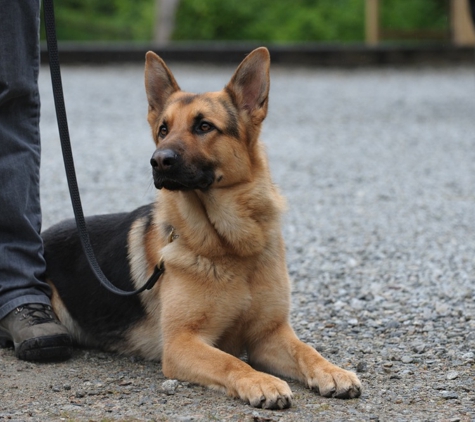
{"type": "Point", "coordinates": [249, 85]}
{"type": "Point", "coordinates": [159, 82]}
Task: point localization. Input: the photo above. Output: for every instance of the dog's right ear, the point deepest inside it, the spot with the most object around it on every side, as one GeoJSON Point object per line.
{"type": "Point", "coordinates": [159, 82]}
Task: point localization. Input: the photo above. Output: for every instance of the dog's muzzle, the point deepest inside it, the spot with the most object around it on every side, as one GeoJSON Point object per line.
{"type": "Point", "coordinates": [172, 172]}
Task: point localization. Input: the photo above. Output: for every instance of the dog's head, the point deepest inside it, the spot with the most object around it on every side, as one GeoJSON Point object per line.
{"type": "Point", "coordinates": [206, 140]}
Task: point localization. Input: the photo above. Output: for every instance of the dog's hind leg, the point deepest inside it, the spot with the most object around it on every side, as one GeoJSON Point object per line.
{"type": "Point", "coordinates": [282, 353]}
{"type": "Point", "coordinates": [78, 335]}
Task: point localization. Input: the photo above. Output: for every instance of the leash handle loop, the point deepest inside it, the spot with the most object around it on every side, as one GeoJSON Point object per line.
{"type": "Point", "coordinates": [53, 54]}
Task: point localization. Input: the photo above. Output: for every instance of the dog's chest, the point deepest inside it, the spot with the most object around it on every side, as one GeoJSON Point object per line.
{"type": "Point", "coordinates": [206, 269]}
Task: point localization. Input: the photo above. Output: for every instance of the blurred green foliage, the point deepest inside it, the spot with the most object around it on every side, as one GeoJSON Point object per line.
{"type": "Point", "coordinates": [414, 14]}
{"type": "Point", "coordinates": [104, 20]}
{"type": "Point", "coordinates": [271, 20]}
{"type": "Point", "coordinates": [300, 20]}
{"type": "Point", "coordinates": [257, 20]}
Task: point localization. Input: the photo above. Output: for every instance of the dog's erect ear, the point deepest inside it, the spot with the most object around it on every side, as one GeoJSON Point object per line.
{"type": "Point", "coordinates": [159, 81]}
{"type": "Point", "coordinates": [249, 85]}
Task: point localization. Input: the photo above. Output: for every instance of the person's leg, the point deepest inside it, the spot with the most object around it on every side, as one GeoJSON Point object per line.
{"type": "Point", "coordinates": [22, 265]}
{"type": "Point", "coordinates": [21, 250]}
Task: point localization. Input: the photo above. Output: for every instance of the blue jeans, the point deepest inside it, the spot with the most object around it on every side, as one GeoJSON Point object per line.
{"type": "Point", "coordinates": [22, 265]}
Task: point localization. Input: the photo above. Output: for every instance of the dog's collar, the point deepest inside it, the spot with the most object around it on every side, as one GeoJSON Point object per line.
{"type": "Point", "coordinates": [160, 268]}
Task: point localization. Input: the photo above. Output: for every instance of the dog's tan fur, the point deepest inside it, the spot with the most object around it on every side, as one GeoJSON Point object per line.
{"type": "Point", "coordinates": [225, 290]}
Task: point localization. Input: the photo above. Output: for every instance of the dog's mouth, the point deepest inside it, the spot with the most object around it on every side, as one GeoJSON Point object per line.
{"type": "Point", "coordinates": [178, 183]}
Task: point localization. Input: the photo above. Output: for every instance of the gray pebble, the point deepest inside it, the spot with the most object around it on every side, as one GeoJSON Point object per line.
{"type": "Point", "coordinates": [451, 375]}
{"type": "Point", "coordinates": [469, 357]}
{"type": "Point", "coordinates": [449, 395]}
{"type": "Point", "coordinates": [169, 387]}
{"type": "Point", "coordinates": [419, 348]}
{"type": "Point", "coordinates": [362, 367]}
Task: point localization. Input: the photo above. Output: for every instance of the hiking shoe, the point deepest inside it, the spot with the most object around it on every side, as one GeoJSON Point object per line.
{"type": "Point", "coordinates": [36, 333]}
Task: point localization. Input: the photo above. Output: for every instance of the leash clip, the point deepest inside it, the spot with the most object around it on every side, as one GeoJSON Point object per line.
{"type": "Point", "coordinates": [157, 273]}
{"type": "Point", "coordinates": [160, 268]}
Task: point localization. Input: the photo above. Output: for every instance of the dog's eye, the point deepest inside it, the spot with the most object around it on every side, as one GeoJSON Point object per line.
{"type": "Point", "coordinates": [163, 131]}
{"type": "Point", "coordinates": [205, 127]}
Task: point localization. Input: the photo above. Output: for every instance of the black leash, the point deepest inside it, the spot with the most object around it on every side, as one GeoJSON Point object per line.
{"type": "Point", "coordinates": [69, 162]}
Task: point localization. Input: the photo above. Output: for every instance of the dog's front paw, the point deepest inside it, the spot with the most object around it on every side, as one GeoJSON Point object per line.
{"type": "Point", "coordinates": [331, 381]}
{"type": "Point", "coordinates": [265, 391]}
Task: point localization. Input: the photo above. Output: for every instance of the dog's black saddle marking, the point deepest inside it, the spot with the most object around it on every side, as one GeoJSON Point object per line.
{"type": "Point", "coordinates": [99, 312]}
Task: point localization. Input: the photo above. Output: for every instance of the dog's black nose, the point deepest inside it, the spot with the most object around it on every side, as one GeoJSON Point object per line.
{"type": "Point", "coordinates": [163, 159]}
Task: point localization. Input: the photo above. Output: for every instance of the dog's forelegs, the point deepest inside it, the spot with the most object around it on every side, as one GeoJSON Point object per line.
{"type": "Point", "coordinates": [282, 353]}
{"type": "Point", "coordinates": [188, 357]}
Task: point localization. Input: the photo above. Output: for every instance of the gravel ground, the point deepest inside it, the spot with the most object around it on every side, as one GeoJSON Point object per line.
{"type": "Point", "coordinates": [378, 167]}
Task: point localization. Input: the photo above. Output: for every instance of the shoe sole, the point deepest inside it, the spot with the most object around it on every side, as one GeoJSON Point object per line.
{"type": "Point", "coordinates": [48, 348]}
{"type": "Point", "coordinates": [5, 342]}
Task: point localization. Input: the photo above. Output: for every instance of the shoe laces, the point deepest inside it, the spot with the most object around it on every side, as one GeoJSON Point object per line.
{"type": "Point", "coordinates": [36, 313]}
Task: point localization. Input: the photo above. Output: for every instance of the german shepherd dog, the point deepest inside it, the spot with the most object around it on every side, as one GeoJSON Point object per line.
{"type": "Point", "coordinates": [216, 224]}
